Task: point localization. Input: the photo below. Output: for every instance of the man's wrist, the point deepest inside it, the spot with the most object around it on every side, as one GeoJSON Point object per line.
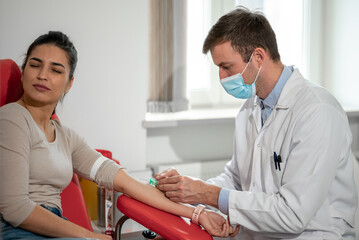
{"type": "Point", "coordinates": [210, 195]}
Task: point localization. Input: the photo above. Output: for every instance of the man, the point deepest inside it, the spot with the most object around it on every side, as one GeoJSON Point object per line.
{"type": "Point", "coordinates": [291, 174]}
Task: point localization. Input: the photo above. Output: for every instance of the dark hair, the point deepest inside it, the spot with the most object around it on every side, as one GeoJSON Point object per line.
{"type": "Point", "coordinates": [246, 31]}
{"type": "Point", "coordinates": [60, 40]}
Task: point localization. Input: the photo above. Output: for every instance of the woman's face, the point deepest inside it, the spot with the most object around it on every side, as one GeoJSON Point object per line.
{"type": "Point", "coordinates": [45, 77]}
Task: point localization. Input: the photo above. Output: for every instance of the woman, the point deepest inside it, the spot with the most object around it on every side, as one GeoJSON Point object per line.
{"type": "Point", "coordinates": [38, 155]}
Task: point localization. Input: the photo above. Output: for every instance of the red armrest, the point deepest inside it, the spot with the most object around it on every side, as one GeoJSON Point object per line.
{"type": "Point", "coordinates": [165, 224]}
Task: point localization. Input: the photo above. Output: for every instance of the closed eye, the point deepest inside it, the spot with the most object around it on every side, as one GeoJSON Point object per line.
{"type": "Point", "coordinates": [225, 66]}
{"type": "Point", "coordinates": [57, 71]}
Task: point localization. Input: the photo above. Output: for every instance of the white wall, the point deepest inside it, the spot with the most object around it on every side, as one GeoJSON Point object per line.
{"type": "Point", "coordinates": [188, 143]}
{"type": "Point", "coordinates": [340, 49]}
{"type": "Point", "coordinates": [108, 100]}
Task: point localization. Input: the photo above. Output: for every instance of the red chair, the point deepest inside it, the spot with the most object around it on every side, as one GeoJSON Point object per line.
{"type": "Point", "coordinates": [10, 82]}
{"type": "Point", "coordinates": [73, 204]}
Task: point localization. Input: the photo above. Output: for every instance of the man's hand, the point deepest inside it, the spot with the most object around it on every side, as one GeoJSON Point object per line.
{"type": "Point", "coordinates": [170, 172]}
{"type": "Point", "coordinates": [185, 189]}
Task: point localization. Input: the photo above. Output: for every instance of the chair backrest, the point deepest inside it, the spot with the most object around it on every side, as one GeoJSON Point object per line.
{"type": "Point", "coordinates": [10, 82]}
{"type": "Point", "coordinates": [73, 203]}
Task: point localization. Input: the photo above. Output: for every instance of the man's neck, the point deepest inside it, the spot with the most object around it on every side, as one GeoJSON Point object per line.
{"type": "Point", "coordinates": [269, 79]}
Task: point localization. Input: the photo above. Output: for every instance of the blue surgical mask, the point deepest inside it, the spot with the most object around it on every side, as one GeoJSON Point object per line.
{"type": "Point", "coordinates": [235, 86]}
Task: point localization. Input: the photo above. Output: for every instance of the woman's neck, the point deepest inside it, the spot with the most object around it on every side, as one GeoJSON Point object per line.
{"type": "Point", "coordinates": [40, 114]}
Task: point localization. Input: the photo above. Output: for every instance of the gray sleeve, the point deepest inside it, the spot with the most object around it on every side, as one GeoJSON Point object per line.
{"type": "Point", "coordinates": [106, 173]}
{"type": "Point", "coordinates": [90, 164]}
{"type": "Point", "coordinates": [15, 145]}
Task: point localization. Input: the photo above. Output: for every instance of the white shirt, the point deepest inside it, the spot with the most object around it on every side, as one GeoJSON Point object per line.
{"type": "Point", "coordinates": [313, 196]}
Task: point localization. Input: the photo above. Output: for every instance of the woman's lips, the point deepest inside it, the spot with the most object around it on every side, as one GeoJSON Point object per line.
{"type": "Point", "coordinates": [40, 87]}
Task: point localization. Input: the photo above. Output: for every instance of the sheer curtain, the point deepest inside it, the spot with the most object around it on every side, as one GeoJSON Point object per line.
{"type": "Point", "coordinates": [167, 86]}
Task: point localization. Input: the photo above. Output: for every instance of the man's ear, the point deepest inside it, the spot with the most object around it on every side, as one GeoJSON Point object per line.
{"type": "Point", "coordinates": [259, 55]}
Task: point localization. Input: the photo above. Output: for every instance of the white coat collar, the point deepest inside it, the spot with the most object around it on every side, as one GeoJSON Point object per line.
{"type": "Point", "coordinates": [288, 95]}
{"type": "Point", "coordinates": [286, 99]}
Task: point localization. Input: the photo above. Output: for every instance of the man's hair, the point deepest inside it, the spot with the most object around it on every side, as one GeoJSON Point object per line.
{"type": "Point", "coordinates": [245, 30]}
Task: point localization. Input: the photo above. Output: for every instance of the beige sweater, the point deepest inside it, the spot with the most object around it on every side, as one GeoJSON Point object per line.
{"type": "Point", "coordinates": [35, 171]}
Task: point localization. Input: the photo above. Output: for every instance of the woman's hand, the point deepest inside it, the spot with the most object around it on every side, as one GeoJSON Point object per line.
{"type": "Point", "coordinates": [215, 224]}
{"type": "Point", "coordinates": [235, 232]}
{"type": "Point", "coordinates": [100, 236]}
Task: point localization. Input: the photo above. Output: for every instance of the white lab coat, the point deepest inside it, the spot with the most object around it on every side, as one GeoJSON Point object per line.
{"type": "Point", "coordinates": [314, 195]}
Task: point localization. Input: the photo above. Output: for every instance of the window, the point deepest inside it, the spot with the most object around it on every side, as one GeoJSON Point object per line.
{"type": "Point", "coordinates": [287, 20]}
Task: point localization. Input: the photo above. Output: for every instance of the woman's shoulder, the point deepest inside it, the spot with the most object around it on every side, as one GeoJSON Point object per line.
{"type": "Point", "coordinates": [67, 131]}
{"type": "Point", "coordinates": [15, 120]}
{"type": "Point", "coordinates": [13, 111]}
{"type": "Point", "coordinates": [70, 134]}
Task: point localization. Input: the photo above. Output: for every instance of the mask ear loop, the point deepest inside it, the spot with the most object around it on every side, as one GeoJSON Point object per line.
{"type": "Point", "coordinates": [254, 83]}
{"type": "Point", "coordinates": [257, 74]}
{"type": "Point", "coordinates": [247, 63]}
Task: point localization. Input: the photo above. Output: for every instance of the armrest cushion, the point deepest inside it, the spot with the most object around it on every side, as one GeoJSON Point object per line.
{"type": "Point", "coordinates": [165, 224]}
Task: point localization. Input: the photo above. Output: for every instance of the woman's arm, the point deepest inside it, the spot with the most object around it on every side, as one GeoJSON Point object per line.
{"type": "Point", "coordinates": [212, 222]}
{"type": "Point", "coordinates": [44, 222]}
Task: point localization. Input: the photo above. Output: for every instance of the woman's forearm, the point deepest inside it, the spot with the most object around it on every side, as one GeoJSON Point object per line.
{"type": "Point", "coordinates": [44, 222]}
{"type": "Point", "coordinates": [148, 194]}
{"type": "Point", "coordinates": [213, 223]}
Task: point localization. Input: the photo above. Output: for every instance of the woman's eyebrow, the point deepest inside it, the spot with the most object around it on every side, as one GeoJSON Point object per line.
{"type": "Point", "coordinates": [58, 64]}
{"type": "Point", "coordinates": [36, 59]}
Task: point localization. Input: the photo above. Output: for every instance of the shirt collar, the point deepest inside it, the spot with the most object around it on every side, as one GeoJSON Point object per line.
{"type": "Point", "coordinates": [272, 99]}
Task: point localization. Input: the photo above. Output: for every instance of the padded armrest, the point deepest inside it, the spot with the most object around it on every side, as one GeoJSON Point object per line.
{"type": "Point", "coordinates": [165, 224]}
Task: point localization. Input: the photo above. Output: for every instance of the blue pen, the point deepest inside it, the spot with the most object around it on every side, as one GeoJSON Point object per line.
{"type": "Point", "coordinates": [275, 160]}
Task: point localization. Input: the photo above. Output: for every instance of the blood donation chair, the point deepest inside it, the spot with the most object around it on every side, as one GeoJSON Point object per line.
{"type": "Point", "coordinates": [74, 208]}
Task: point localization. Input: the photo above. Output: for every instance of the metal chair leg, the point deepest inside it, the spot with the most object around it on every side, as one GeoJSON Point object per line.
{"type": "Point", "coordinates": [118, 227]}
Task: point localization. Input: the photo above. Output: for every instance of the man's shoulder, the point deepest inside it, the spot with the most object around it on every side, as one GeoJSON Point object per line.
{"type": "Point", "coordinates": [304, 94]}
{"type": "Point", "coordinates": [312, 95]}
